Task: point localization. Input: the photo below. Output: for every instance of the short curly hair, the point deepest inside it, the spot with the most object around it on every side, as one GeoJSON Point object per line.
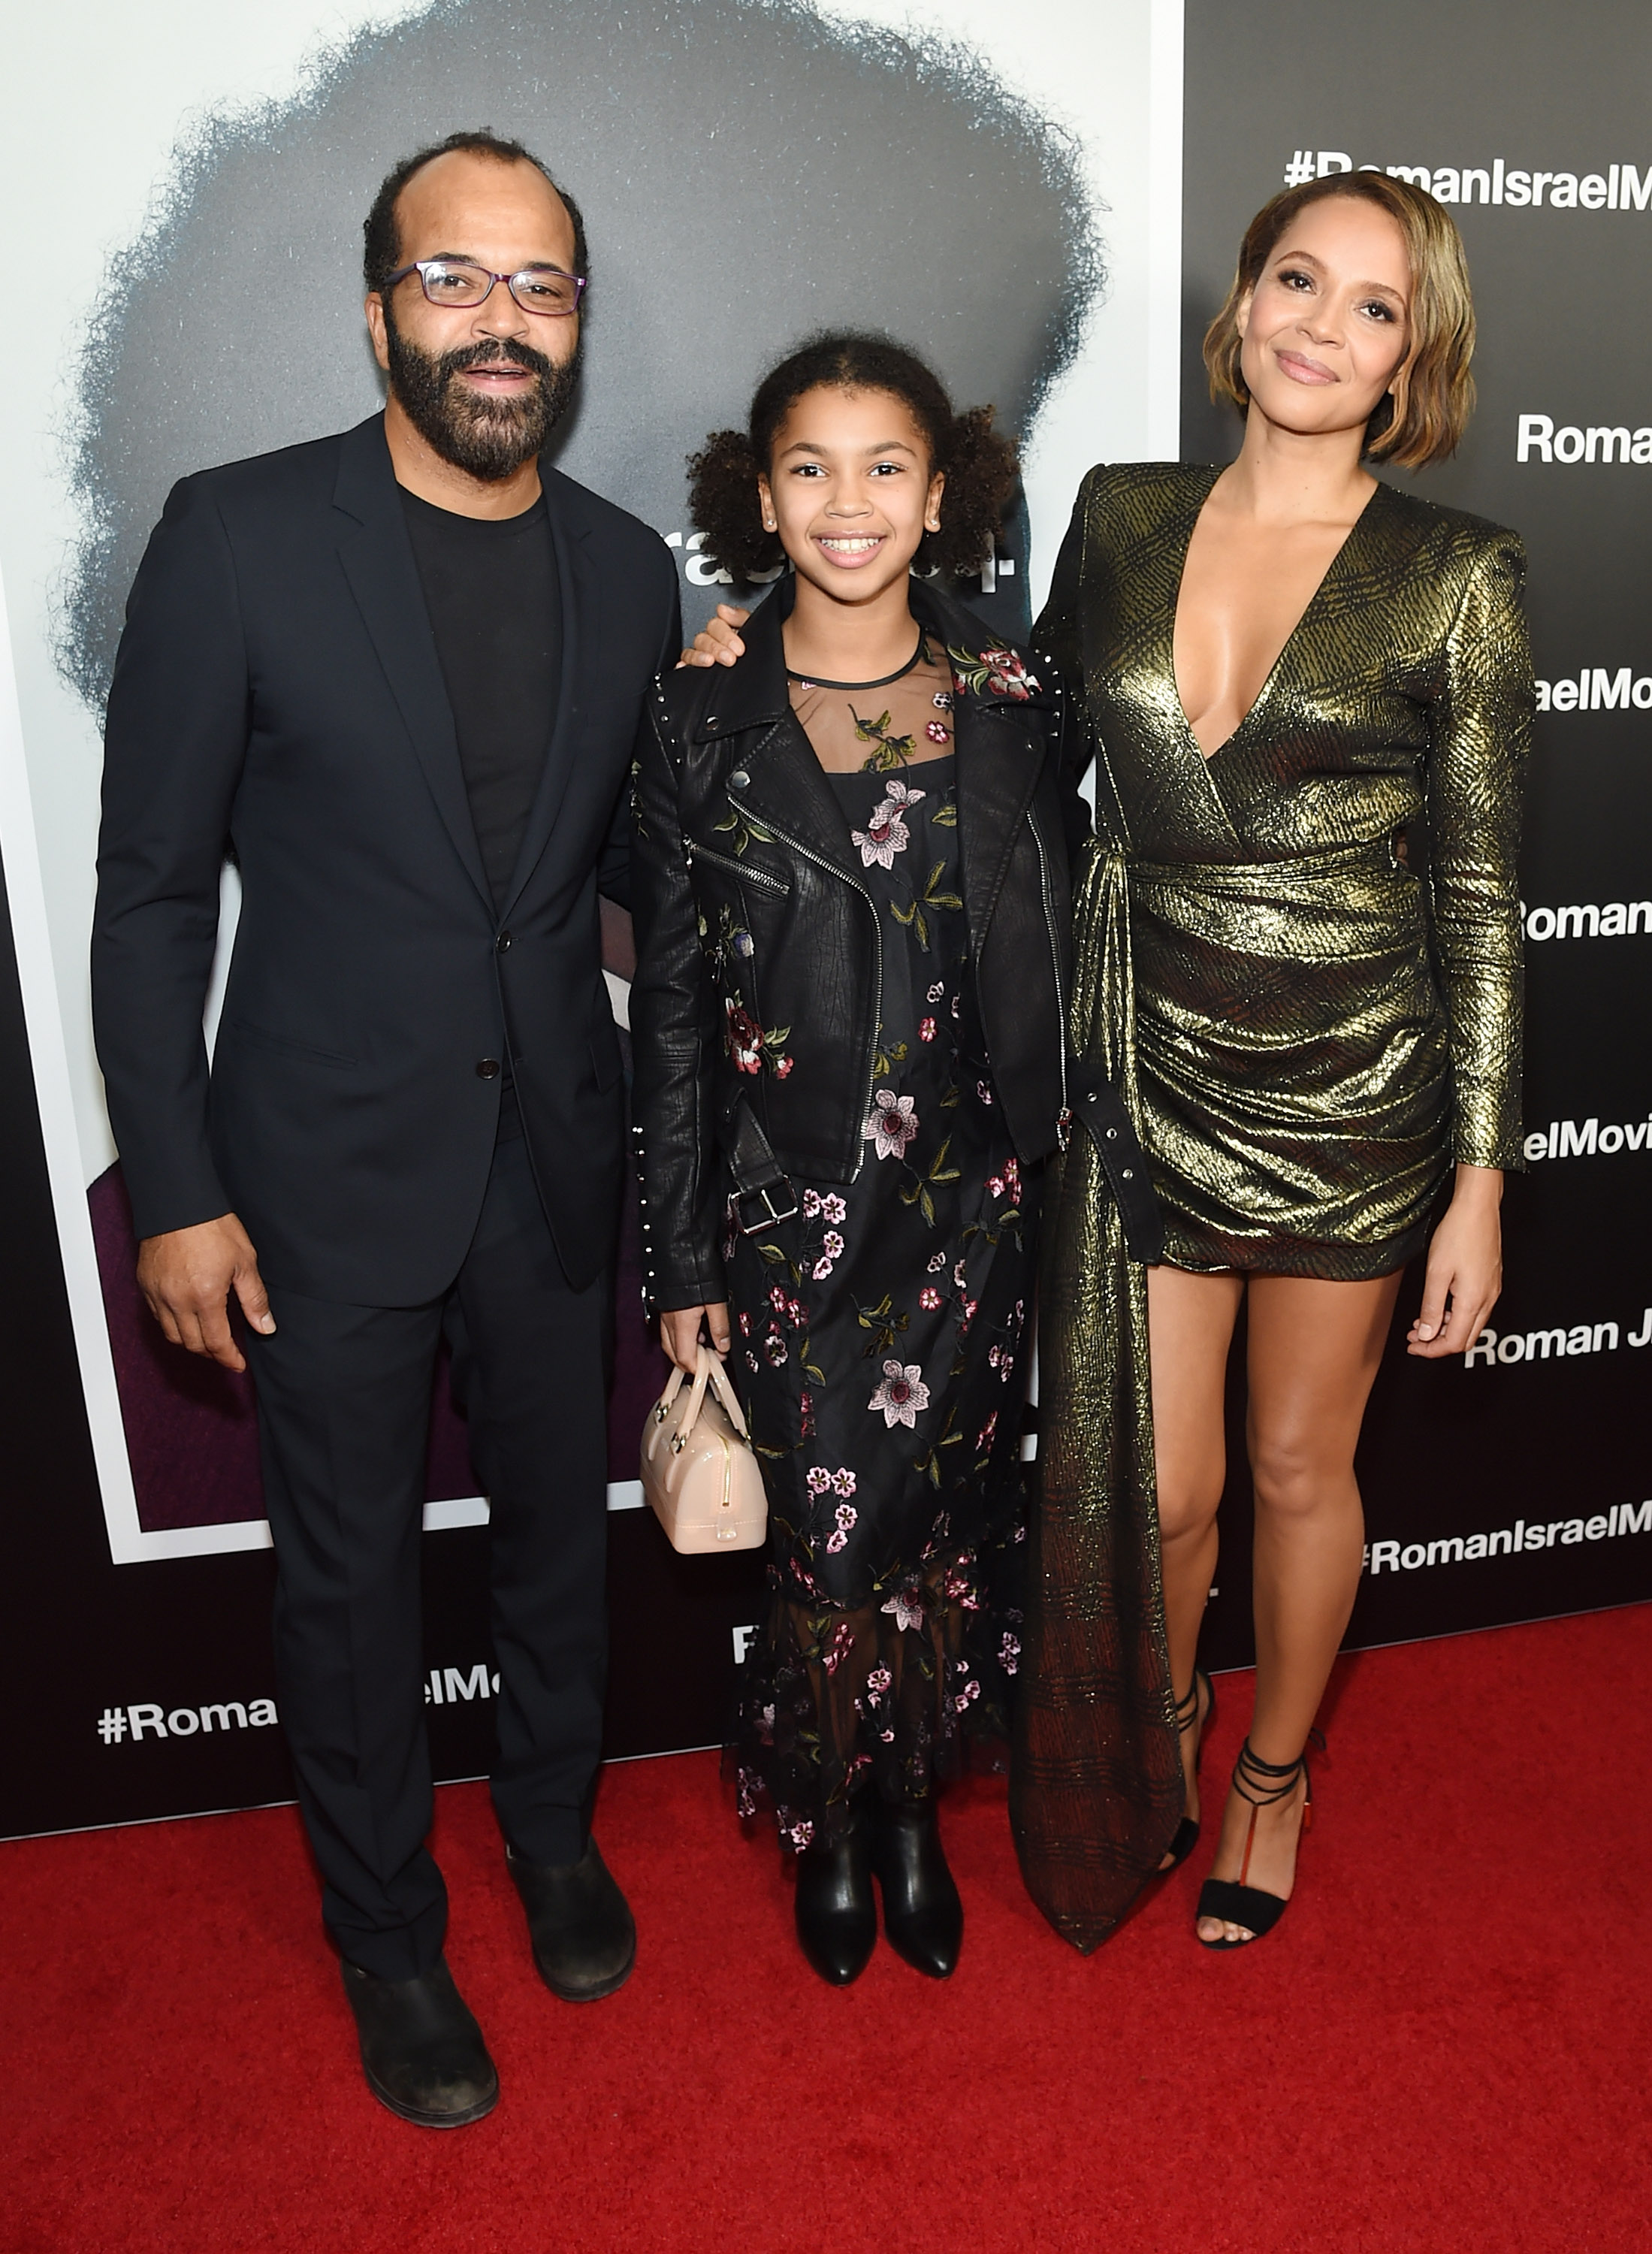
{"type": "Point", "coordinates": [1431, 403]}
{"type": "Point", "coordinates": [979, 463]}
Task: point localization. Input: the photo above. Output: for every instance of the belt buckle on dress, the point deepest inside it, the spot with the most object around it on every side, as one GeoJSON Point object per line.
{"type": "Point", "coordinates": [770, 1212]}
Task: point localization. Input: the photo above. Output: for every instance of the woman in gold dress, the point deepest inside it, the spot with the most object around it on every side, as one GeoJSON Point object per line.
{"type": "Point", "coordinates": [1314, 1020]}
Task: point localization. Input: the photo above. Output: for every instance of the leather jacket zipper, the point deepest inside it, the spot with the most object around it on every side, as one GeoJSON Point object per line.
{"type": "Point", "coordinates": [736, 868]}
{"type": "Point", "coordinates": [832, 870]}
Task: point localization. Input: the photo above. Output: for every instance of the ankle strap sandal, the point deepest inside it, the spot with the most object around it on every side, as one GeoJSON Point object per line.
{"type": "Point", "coordinates": [1264, 1784]}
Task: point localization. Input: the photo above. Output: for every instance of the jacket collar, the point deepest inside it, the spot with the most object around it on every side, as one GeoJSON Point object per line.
{"type": "Point", "coordinates": [779, 779]}
{"type": "Point", "coordinates": [753, 694]}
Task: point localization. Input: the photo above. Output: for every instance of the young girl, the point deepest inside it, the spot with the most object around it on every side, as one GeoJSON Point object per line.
{"type": "Point", "coordinates": [851, 906]}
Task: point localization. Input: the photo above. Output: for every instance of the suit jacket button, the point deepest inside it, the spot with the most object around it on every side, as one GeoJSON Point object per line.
{"type": "Point", "coordinates": [503, 942]}
{"type": "Point", "coordinates": [488, 1068]}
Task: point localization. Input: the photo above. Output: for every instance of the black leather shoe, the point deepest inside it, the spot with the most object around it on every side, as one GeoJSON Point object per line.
{"type": "Point", "coordinates": [923, 1916]}
{"type": "Point", "coordinates": [836, 1916]}
{"type": "Point", "coordinates": [583, 1934]}
{"type": "Point", "coordinates": [422, 2051]}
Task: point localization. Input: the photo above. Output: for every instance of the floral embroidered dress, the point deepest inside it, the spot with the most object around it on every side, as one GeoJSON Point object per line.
{"type": "Point", "coordinates": [878, 1337]}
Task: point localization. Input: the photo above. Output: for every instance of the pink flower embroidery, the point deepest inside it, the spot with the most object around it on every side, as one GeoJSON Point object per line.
{"type": "Point", "coordinates": [927, 1030]}
{"type": "Point", "coordinates": [879, 1680]}
{"type": "Point", "coordinates": [783, 1067]}
{"type": "Point", "coordinates": [936, 990]}
{"type": "Point", "coordinates": [834, 1543]}
{"type": "Point", "coordinates": [937, 1263]}
{"type": "Point", "coordinates": [811, 1203]}
{"type": "Point", "coordinates": [834, 1208]}
{"type": "Point", "coordinates": [846, 1515]}
{"type": "Point", "coordinates": [887, 837]}
{"type": "Point", "coordinates": [798, 1832]}
{"type": "Point", "coordinates": [743, 1036]}
{"type": "Point", "coordinates": [819, 1478]}
{"type": "Point", "coordinates": [821, 1269]}
{"type": "Point", "coordinates": [1010, 1653]}
{"type": "Point", "coordinates": [937, 734]}
{"type": "Point", "coordinates": [832, 1244]}
{"type": "Point", "coordinates": [901, 1393]}
{"type": "Point", "coordinates": [970, 1690]}
{"type": "Point", "coordinates": [843, 1481]}
{"type": "Point", "coordinates": [842, 1644]}
{"type": "Point", "coordinates": [929, 1298]}
{"type": "Point", "coordinates": [891, 1123]}
{"type": "Point", "coordinates": [907, 1607]}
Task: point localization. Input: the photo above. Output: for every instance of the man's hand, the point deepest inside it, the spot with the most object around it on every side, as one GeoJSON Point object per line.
{"type": "Point", "coordinates": [187, 1275]}
{"type": "Point", "coordinates": [680, 1332]}
{"type": "Point", "coordinates": [717, 643]}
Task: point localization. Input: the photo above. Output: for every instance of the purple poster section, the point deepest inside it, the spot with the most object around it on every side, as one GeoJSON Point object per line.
{"type": "Point", "coordinates": [191, 1432]}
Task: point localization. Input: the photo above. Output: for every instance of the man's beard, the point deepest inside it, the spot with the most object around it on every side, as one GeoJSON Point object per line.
{"type": "Point", "coordinates": [487, 438]}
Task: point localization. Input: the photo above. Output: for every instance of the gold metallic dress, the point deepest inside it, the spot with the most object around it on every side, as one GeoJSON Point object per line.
{"type": "Point", "coordinates": [1309, 1023]}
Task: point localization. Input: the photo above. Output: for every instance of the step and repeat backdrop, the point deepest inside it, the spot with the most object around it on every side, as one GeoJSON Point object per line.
{"type": "Point", "coordinates": [1049, 208]}
{"type": "Point", "coordinates": [1517, 1486]}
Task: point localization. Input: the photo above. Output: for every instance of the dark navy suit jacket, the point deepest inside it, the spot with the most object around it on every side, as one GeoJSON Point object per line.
{"type": "Point", "coordinates": [278, 695]}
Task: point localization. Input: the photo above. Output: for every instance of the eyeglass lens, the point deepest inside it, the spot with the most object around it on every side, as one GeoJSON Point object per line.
{"type": "Point", "coordinates": [536, 290]}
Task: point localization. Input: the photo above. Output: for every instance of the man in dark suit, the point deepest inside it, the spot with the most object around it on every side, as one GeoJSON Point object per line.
{"type": "Point", "coordinates": [398, 674]}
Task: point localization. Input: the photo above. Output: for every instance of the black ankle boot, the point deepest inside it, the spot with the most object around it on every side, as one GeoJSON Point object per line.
{"type": "Point", "coordinates": [422, 2052]}
{"type": "Point", "coordinates": [837, 1917]}
{"type": "Point", "coordinates": [923, 1916]}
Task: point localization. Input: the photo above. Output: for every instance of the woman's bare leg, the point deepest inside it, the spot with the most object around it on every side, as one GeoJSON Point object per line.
{"type": "Point", "coordinates": [1190, 1321]}
{"type": "Point", "coordinates": [1314, 1351]}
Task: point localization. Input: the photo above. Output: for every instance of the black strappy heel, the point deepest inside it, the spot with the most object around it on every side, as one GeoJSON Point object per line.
{"type": "Point", "coordinates": [1264, 1784]}
{"type": "Point", "coordinates": [1188, 1717]}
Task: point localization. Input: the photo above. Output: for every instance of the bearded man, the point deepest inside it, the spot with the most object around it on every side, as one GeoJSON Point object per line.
{"type": "Point", "coordinates": [397, 674]}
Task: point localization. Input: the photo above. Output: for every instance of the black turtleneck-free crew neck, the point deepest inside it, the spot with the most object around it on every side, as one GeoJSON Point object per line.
{"type": "Point", "coordinates": [491, 589]}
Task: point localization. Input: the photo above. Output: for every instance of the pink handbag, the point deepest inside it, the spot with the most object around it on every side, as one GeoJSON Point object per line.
{"type": "Point", "coordinates": [699, 1474]}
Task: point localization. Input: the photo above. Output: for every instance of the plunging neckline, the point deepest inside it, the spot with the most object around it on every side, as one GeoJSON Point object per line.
{"type": "Point", "coordinates": [1283, 650]}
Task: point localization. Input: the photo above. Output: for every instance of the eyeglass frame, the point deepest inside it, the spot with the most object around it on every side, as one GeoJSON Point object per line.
{"type": "Point", "coordinates": [581, 282]}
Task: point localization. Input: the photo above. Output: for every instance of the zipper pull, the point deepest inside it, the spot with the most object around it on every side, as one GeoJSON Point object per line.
{"type": "Point", "coordinates": [1064, 1128]}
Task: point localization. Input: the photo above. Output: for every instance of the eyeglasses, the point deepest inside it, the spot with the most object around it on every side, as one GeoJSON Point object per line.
{"type": "Point", "coordinates": [544, 290]}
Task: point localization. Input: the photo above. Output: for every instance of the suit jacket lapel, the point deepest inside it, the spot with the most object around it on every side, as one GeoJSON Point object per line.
{"type": "Point", "coordinates": [377, 558]}
{"type": "Point", "coordinates": [581, 631]}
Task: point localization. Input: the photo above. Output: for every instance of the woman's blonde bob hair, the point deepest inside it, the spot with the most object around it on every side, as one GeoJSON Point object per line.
{"type": "Point", "coordinates": [1434, 393]}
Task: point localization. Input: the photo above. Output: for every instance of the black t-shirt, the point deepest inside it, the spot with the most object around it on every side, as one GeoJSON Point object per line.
{"type": "Point", "coordinates": [490, 586]}
{"type": "Point", "coordinates": [491, 589]}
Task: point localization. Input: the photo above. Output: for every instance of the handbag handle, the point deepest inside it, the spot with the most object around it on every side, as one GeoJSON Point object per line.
{"type": "Point", "coordinates": [709, 1373]}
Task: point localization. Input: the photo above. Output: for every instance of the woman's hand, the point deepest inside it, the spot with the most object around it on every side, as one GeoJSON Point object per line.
{"type": "Point", "coordinates": [680, 1332]}
{"type": "Point", "coordinates": [719, 643]}
{"type": "Point", "coordinates": [1464, 1268]}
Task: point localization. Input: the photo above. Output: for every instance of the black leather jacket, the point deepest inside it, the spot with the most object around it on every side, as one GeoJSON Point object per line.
{"type": "Point", "coordinates": [737, 829]}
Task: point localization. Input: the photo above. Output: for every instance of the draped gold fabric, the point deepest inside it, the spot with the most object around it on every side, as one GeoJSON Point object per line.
{"type": "Point", "coordinates": [1309, 1022]}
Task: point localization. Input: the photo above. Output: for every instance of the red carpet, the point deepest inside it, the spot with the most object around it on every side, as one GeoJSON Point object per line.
{"type": "Point", "coordinates": [1444, 2046]}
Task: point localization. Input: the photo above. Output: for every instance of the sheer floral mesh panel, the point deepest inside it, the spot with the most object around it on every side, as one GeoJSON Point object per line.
{"type": "Point", "coordinates": [891, 1697]}
{"type": "Point", "coordinates": [882, 728]}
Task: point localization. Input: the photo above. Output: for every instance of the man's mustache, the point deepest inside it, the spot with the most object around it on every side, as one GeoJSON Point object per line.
{"type": "Point", "coordinates": [494, 355]}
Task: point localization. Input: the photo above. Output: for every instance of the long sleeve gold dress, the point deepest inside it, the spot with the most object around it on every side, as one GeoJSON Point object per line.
{"type": "Point", "coordinates": [1309, 1021]}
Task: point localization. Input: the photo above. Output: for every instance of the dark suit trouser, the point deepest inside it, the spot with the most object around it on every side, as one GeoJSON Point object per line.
{"type": "Point", "coordinates": [344, 1400]}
